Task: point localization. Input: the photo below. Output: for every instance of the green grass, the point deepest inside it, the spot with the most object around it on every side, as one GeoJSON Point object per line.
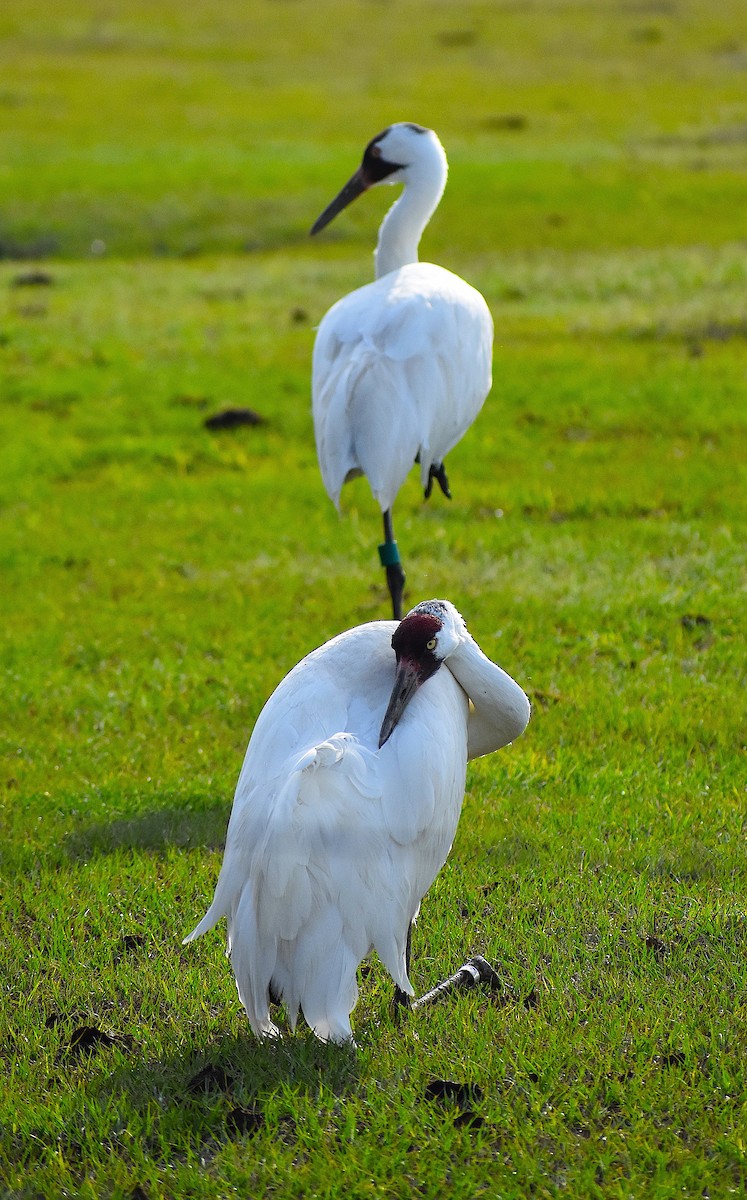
{"type": "Point", "coordinates": [221, 126]}
{"type": "Point", "coordinates": [159, 580]}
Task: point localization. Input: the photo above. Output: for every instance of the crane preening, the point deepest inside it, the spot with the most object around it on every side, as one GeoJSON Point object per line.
{"type": "Point", "coordinates": [346, 808]}
{"type": "Point", "coordinates": [402, 366]}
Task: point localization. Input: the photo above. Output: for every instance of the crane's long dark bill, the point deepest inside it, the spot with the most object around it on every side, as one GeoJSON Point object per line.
{"type": "Point", "coordinates": [354, 186]}
{"type": "Point", "coordinates": [406, 683]}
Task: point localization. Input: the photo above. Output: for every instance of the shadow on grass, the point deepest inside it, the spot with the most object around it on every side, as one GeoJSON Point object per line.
{"type": "Point", "coordinates": [198, 1092]}
{"type": "Point", "coordinates": [193, 825]}
{"type": "Point", "coordinates": [186, 827]}
{"type": "Point", "coordinates": [188, 1107]}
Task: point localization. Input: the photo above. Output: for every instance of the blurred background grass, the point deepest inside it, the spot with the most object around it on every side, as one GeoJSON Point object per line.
{"type": "Point", "coordinates": [221, 126]}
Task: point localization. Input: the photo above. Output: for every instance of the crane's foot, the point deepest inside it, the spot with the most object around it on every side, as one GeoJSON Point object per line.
{"type": "Point", "coordinates": [439, 474]}
{"type": "Point", "coordinates": [476, 970]}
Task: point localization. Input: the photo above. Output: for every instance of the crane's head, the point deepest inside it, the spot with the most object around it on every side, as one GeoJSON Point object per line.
{"type": "Point", "coordinates": [422, 641]}
{"type": "Point", "coordinates": [393, 156]}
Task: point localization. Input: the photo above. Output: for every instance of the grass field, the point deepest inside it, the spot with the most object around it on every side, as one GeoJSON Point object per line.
{"type": "Point", "coordinates": [159, 172]}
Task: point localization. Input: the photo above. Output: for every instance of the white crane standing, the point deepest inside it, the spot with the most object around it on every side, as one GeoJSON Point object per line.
{"type": "Point", "coordinates": [346, 808]}
{"type": "Point", "coordinates": [402, 366]}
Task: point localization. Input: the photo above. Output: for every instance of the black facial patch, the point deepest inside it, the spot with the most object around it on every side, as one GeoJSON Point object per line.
{"type": "Point", "coordinates": [374, 166]}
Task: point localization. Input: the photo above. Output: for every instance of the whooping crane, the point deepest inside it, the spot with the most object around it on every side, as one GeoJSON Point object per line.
{"type": "Point", "coordinates": [346, 808]}
{"type": "Point", "coordinates": [402, 366]}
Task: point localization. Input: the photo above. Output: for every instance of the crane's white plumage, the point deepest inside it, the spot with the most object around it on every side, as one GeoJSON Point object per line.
{"type": "Point", "coordinates": [401, 369]}
{"type": "Point", "coordinates": [333, 839]}
{"type": "Point", "coordinates": [402, 366]}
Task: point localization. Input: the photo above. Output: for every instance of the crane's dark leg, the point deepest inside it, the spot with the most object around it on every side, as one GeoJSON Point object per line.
{"type": "Point", "coordinates": [439, 474]}
{"type": "Point", "coordinates": [395, 576]}
{"type": "Point", "coordinates": [401, 999]}
{"type": "Point", "coordinates": [476, 970]}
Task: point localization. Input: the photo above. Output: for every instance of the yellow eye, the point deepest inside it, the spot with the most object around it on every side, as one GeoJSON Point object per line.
{"type": "Point", "coordinates": [431, 645]}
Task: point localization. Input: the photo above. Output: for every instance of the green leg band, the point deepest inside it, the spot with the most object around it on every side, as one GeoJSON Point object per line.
{"type": "Point", "coordinates": [389, 554]}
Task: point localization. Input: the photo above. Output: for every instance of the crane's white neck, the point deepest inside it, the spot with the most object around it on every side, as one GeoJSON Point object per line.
{"type": "Point", "coordinates": [499, 709]}
{"type": "Point", "coordinates": [402, 227]}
